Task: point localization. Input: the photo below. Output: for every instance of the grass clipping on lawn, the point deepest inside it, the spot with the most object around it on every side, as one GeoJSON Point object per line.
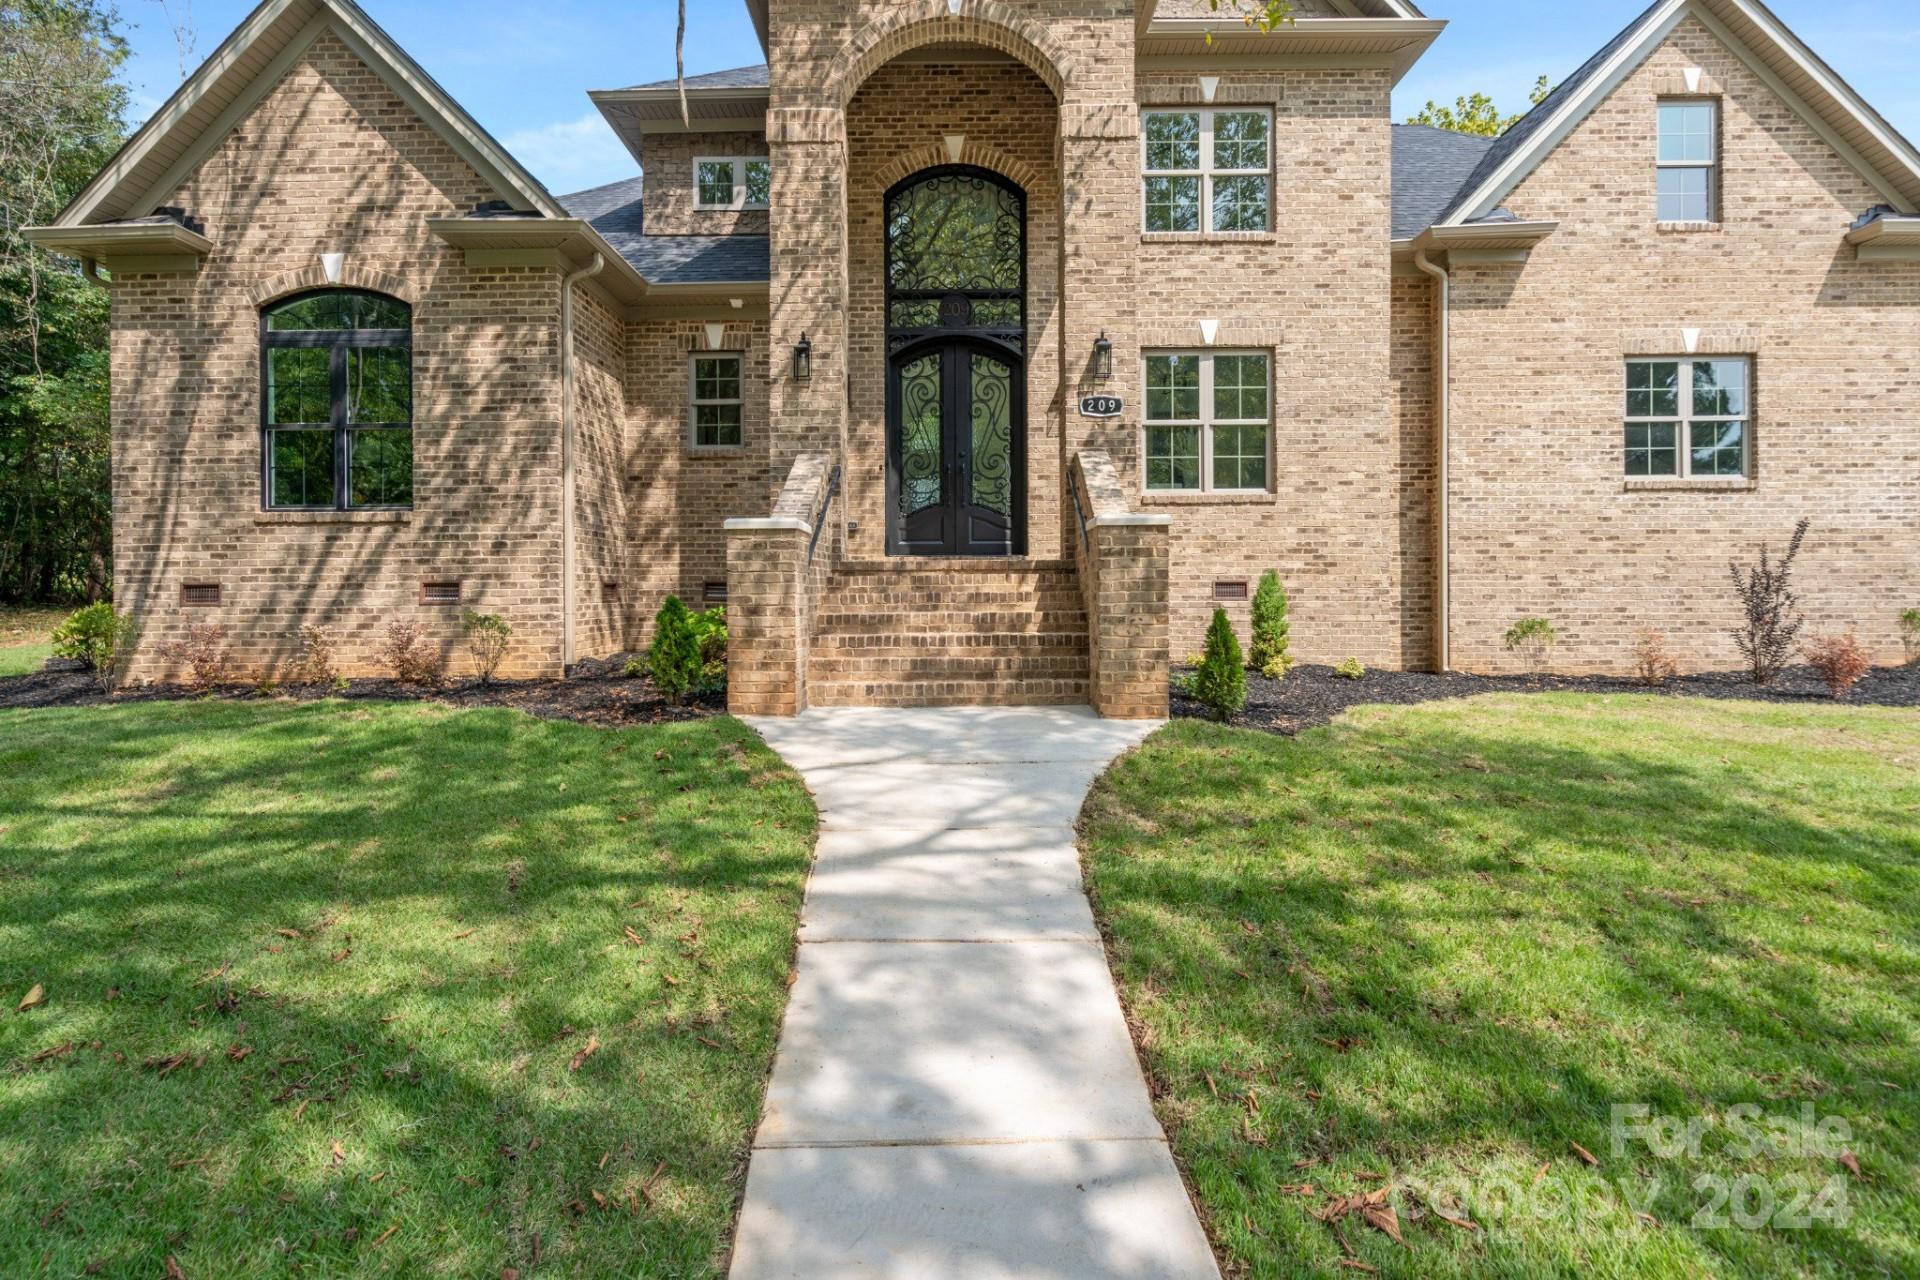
{"type": "Point", "coordinates": [1392, 977]}
{"type": "Point", "coordinates": [384, 988]}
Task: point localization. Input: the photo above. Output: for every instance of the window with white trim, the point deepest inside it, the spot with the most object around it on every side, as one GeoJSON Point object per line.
{"type": "Point", "coordinates": [1688, 418]}
{"type": "Point", "coordinates": [717, 404]}
{"type": "Point", "coordinates": [1687, 178]}
{"type": "Point", "coordinates": [1209, 421]}
{"type": "Point", "coordinates": [1208, 170]}
{"type": "Point", "coordinates": [732, 182]}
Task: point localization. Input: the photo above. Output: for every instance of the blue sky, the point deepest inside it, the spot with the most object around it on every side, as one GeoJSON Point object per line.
{"type": "Point", "coordinates": [526, 80]}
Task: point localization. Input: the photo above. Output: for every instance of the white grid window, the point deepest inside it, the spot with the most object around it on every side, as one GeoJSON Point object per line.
{"type": "Point", "coordinates": [1209, 421]}
{"type": "Point", "coordinates": [1208, 170]}
{"type": "Point", "coordinates": [732, 182]}
{"type": "Point", "coordinates": [1688, 173]}
{"type": "Point", "coordinates": [1688, 418]}
{"type": "Point", "coordinates": [717, 402]}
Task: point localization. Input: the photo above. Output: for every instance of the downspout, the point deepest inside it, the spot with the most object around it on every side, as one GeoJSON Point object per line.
{"type": "Point", "coordinates": [90, 268]}
{"type": "Point", "coordinates": [568, 555]}
{"type": "Point", "coordinates": [1443, 447]}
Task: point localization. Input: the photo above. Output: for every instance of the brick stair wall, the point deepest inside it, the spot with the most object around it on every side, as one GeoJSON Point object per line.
{"type": "Point", "coordinates": [949, 632]}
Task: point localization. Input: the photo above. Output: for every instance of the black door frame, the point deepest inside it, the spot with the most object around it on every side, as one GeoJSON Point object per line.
{"type": "Point", "coordinates": [956, 459]}
{"type": "Point", "coordinates": [1004, 343]}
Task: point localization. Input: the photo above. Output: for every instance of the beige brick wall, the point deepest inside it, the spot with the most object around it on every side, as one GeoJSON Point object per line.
{"type": "Point", "coordinates": [600, 465]}
{"type": "Point", "coordinates": [670, 209]}
{"type": "Point", "coordinates": [332, 161]}
{"type": "Point", "coordinates": [1543, 522]}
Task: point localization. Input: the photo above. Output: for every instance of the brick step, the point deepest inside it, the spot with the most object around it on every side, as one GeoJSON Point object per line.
{"type": "Point", "coordinates": [1058, 622]}
{"type": "Point", "coordinates": [908, 601]}
{"type": "Point", "coordinates": [954, 564]}
{"type": "Point", "coordinates": [981, 645]}
{"type": "Point", "coordinates": [948, 693]}
{"type": "Point", "coordinates": [921, 668]}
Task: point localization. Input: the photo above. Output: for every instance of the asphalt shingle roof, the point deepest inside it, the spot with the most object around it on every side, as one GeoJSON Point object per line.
{"type": "Point", "coordinates": [754, 77]}
{"type": "Point", "coordinates": [616, 212]}
{"type": "Point", "coordinates": [1429, 167]}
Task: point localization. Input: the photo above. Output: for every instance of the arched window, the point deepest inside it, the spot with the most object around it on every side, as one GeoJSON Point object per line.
{"type": "Point", "coordinates": [956, 256]}
{"type": "Point", "coordinates": [337, 402]}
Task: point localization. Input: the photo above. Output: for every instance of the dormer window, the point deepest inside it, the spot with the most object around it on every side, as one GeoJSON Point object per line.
{"type": "Point", "coordinates": [732, 182]}
{"type": "Point", "coordinates": [1688, 173]}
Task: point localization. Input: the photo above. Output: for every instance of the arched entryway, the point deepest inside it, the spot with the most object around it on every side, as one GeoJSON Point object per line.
{"type": "Point", "coordinates": [956, 270]}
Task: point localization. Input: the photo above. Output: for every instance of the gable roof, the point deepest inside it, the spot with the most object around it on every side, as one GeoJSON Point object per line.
{"type": "Point", "coordinates": [1747, 27]}
{"type": "Point", "coordinates": [1429, 167]}
{"type": "Point", "coordinates": [238, 74]}
{"type": "Point", "coordinates": [753, 77]}
{"type": "Point", "coordinates": [617, 212]}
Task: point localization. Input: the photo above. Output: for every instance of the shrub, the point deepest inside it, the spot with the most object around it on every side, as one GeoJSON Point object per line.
{"type": "Point", "coordinates": [204, 651]}
{"type": "Point", "coordinates": [406, 653]}
{"type": "Point", "coordinates": [1270, 628]}
{"type": "Point", "coordinates": [487, 635]}
{"type": "Point", "coordinates": [1533, 639]}
{"type": "Point", "coordinates": [710, 634]}
{"type": "Point", "coordinates": [314, 664]}
{"type": "Point", "coordinates": [1653, 664]}
{"type": "Point", "coordinates": [1772, 620]}
{"type": "Point", "coordinates": [1910, 633]}
{"type": "Point", "coordinates": [97, 635]}
{"type": "Point", "coordinates": [1350, 669]}
{"type": "Point", "coordinates": [1221, 681]}
{"type": "Point", "coordinates": [674, 660]}
{"type": "Point", "coordinates": [1839, 661]}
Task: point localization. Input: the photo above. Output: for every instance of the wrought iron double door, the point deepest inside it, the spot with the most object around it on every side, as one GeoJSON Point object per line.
{"type": "Point", "coordinates": [956, 450]}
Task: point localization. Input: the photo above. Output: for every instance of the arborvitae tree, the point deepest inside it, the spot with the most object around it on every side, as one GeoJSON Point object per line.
{"type": "Point", "coordinates": [1270, 657]}
{"type": "Point", "coordinates": [1221, 682]}
{"type": "Point", "coordinates": [674, 661]}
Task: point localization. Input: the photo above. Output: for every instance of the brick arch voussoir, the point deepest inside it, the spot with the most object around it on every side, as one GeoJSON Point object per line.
{"type": "Point", "coordinates": [288, 283]}
{"type": "Point", "coordinates": [934, 155]}
{"type": "Point", "coordinates": [986, 23]}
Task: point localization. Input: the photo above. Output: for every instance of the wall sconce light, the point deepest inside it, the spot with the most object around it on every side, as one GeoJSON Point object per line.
{"type": "Point", "coordinates": [1102, 357]}
{"type": "Point", "coordinates": [802, 359]}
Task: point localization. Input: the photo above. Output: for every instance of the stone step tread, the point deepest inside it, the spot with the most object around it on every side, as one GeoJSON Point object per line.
{"type": "Point", "coordinates": [1053, 693]}
{"type": "Point", "coordinates": [909, 601]}
{"type": "Point", "coordinates": [975, 645]}
{"type": "Point", "coordinates": [961, 622]}
{"type": "Point", "coordinates": [988, 671]}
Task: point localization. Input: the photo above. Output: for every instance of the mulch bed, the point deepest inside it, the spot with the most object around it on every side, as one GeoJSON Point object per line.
{"type": "Point", "coordinates": [599, 693]}
{"type": "Point", "coordinates": [1312, 695]}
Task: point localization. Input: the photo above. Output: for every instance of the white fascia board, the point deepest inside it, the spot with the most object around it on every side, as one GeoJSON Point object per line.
{"type": "Point", "coordinates": [1625, 60]}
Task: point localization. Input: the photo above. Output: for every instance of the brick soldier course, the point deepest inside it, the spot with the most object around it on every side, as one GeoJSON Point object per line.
{"type": "Point", "coordinates": [607, 403]}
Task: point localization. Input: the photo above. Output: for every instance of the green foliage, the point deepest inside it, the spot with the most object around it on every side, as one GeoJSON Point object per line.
{"type": "Point", "coordinates": [1910, 633]}
{"type": "Point", "coordinates": [60, 120]}
{"type": "Point", "coordinates": [674, 660]}
{"type": "Point", "coordinates": [1351, 669]}
{"type": "Point", "coordinates": [97, 635]}
{"type": "Point", "coordinates": [1270, 628]}
{"type": "Point", "coordinates": [1476, 114]}
{"type": "Point", "coordinates": [1261, 15]}
{"type": "Point", "coordinates": [710, 634]}
{"type": "Point", "coordinates": [1221, 682]}
{"type": "Point", "coordinates": [1533, 639]}
{"type": "Point", "coordinates": [487, 635]}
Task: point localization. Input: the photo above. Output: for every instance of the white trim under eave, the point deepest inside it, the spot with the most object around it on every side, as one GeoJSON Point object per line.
{"type": "Point", "coordinates": [1624, 62]}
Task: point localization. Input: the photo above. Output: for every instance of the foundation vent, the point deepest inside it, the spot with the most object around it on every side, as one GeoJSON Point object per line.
{"type": "Point", "coordinates": [609, 593]}
{"type": "Point", "coordinates": [714, 593]}
{"type": "Point", "coordinates": [200, 595]}
{"type": "Point", "coordinates": [1230, 589]}
{"type": "Point", "coordinates": [440, 593]}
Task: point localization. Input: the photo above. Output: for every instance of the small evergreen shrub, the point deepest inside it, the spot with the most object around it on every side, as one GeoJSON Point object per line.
{"type": "Point", "coordinates": [487, 635]}
{"type": "Point", "coordinates": [315, 664]}
{"type": "Point", "coordinates": [1533, 639]}
{"type": "Point", "coordinates": [204, 653]}
{"type": "Point", "coordinates": [1270, 628]}
{"type": "Point", "coordinates": [1351, 669]}
{"type": "Point", "coordinates": [1840, 661]}
{"type": "Point", "coordinates": [406, 653]}
{"type": "Point", "coordinates": [674, 660]}
{"type": "Point", "coordinates": [97, 635]}
{"type": "Point", "coordinates": [710, 633]}
{"type": "Point", "coordinates": [1910, 633]}
{"type": "Point", "coordinates": [1771, 619]}
{"type": "Point", "coordinates": [1220, 683]}
{"type": "Point", "coordinates": [1653, 663]}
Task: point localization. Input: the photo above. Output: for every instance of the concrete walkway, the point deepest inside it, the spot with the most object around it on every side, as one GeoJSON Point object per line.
{"type": "Point", "coordinates": [955, 1095]}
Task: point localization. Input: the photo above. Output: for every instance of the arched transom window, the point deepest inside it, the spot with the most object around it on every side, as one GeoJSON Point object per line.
{"type": "Point", "coordinates": [337, 402]}
{"type": "Point", "coordinates": [956, 256]}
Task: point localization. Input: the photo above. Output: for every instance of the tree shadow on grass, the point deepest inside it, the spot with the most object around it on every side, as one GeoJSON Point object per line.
{"type": "Point", "coordinates": [266, 929]}
{"type": "Point", "coordinates": [1444, 944]}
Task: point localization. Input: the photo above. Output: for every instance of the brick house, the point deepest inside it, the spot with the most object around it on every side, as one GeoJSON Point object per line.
{"type": "Point", "coordinates": [973, 350]}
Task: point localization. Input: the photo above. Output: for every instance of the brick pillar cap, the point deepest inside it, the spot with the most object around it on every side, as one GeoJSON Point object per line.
{"type": "Point", "coordinates": [1129, 518]}
{"type": "Point", "coordinates": [761, 524]}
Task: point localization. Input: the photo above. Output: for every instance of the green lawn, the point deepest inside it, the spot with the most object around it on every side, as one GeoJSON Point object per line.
{"type": "Point", "coordinates": [318, 979]}
{"type": "Point", "coordinates": [24, 633]}
{"type": "Point", "coordinates": [1431, 948]}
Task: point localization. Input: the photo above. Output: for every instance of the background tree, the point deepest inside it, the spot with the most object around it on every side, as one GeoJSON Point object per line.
{"type": "Point", "coordinates": [61, 112]}
{"type": "Point", "coordinates": [1476, 114]}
